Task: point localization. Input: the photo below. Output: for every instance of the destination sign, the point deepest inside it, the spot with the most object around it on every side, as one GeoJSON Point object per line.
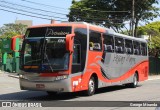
{"type": "Point", "coordinates": [48, 32]}
{"type": "Point", "coordinates": [52, 32]}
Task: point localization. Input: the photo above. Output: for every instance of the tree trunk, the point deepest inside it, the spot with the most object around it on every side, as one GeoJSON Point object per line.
{"type": "Point", "coordinates": [136, 27]}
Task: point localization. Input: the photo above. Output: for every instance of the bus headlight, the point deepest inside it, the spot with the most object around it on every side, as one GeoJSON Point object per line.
{"type": "Point", "coordinates": [61, 77]}
{"type": "Point", "coordinates": [23, 76]}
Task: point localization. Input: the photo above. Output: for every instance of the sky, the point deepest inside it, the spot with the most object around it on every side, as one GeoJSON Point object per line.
{"type": "Point", "coordinates": [61, 7]}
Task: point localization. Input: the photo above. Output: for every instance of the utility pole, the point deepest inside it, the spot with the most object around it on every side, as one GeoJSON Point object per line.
{"type": "Point", "coordinates": [132, 21]}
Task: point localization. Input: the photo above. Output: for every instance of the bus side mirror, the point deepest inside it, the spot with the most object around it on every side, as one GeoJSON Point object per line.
{"type": "Point", "coordinates": [69, 42]}
{"type": "Point", "coordinates": [13, 43]}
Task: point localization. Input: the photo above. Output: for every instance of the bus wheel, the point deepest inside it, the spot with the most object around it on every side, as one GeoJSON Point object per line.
{"type": "Point", "coordinates": [91, 87]}
{"type": "Point", "coordinates": [134, 83]}
{"type": "Point", "coordinates": [51, 93]}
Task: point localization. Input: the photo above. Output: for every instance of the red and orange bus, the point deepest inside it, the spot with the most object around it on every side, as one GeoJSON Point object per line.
{"type": "Point", "coordinates": [71, 57]}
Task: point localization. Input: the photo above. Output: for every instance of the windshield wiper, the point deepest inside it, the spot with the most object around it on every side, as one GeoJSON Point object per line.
{"type": "Point", "coordinates": [32, 61]}
{"type": "Point", "coordinates": [43, 53]}
{"type": "Point", "coordinates": [48, 61]}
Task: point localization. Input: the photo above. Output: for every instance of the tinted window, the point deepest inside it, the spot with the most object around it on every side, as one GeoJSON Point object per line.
{"type": "Point", "coordinates": [95, 42]}
{"type": "Point", "coordinates": [128, 46]}
{"type": "Point", "coordinates": [136, 49]}
{"type": "Point", "coordinates": [108, 43]}
{"type": "Point", "coordinates": [143, 49]}
{"type": "Point", "coordinates": [81, 39]}
{"type": "Point", "coordinates": [77, 54]}
{"type": "Point", "coordinates": [119, 45]}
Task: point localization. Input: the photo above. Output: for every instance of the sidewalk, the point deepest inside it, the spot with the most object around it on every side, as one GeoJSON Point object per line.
{"type": "Point", "coordinates": [15, 75]}
{"type": "Point", "coordinates": [154, 77]}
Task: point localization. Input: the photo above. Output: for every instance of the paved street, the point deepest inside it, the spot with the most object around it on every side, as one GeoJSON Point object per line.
{"type": "Point", "coordinates": [146, 91]}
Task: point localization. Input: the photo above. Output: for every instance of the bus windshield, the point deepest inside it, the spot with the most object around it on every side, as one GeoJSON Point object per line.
{"type": "Point", "coordinates": [48, 53]}
{"type": "Point", "coordinates": [52, 54]}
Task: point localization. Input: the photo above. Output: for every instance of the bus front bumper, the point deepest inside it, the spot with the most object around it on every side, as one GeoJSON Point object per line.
{"type": "Point", "coordinates": [56, 86]}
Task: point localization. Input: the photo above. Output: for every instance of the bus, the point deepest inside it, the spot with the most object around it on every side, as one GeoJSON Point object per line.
{"type": "Point", "coordinates": [78, 56]}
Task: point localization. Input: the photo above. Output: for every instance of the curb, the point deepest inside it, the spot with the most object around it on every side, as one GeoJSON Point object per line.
{"type": "Point", "coordinates": [14, 76]}
{"type": "Point", "coordinates": [149, 79]}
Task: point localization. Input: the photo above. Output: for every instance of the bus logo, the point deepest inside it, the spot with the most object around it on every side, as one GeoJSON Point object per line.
{"type": "Point", "coordinates": [61, 41]}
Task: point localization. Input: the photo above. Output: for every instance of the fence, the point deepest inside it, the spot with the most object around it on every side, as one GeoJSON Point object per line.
{"type": "Point", "coordinates": [0, 64]}
{"type": "Point", "coordinates": [154, 65]}
{"type": "Point", "coordinates": [11, 66]}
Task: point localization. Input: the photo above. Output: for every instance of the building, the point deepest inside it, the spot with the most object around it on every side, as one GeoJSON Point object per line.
{"type": "Point", "coordinates": [25, 22]}
{"type": "Point", "coordinates": [146, 37]}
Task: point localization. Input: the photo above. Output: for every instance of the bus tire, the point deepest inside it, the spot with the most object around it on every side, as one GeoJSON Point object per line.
{"type": "Point", "coordinates": [134, 84]}
{"type": "Point", "coordinates": [135, 81]}
{"type": "Point", "coordinates": [91, 86]}
{"type": "Point", "coordinates": [50, 93]}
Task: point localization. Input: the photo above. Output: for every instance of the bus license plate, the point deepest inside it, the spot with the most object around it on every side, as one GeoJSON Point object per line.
{"type": "Point", "coordinates": [40, 86]}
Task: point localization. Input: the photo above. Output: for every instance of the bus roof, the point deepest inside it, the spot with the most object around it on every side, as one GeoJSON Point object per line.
{"type": "Point", "coordinates": [108, 31]}
{"type": "Point", "coordinates": [129, 37]}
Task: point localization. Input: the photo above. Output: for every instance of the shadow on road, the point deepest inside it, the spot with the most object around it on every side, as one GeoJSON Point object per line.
{"type": "Point", "coordinates": [112, 88]}
{"type": "Point", "coordinates": [43, 96]}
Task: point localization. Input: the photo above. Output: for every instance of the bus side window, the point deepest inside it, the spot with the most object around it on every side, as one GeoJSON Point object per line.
{"type": "Point", "coordinates": [119, 45]}
{"type": "Point", "coordinates": [136, 49]}
{"type": "Point", "coordinates": [77, 54]}
{"type": "Point", "coordinates": [143, 49]}
{"type": "Point", "coordinates": [95, 41]}
{"type": "Point", "coordinates": [128, 46]}
{"type": "Point", "coordinates": [108, 43]}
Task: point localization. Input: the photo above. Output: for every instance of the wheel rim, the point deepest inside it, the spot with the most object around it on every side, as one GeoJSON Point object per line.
{"type": "Point", "coordinates": [135, 80]}
{"type": "Point", "coordinates": [91, 85]}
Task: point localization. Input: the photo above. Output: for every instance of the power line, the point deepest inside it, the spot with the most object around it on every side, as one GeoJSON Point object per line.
{"type": "Point", "coordinates": [86, 19]}
{"type": "Point", "coordinates": [30, 12]}
{"type": "Point", "coordinates": [47, 18]}
{"type": "Point", "coordinates": [26, 14]}
{"type": "Point", "coordinates": [36, 3]}
{"type": "Point", "coordinates": [37, 8]}
{"type": "Point", "coordinates": [102, 19]}
{"type": "Point", "coordinates": [89, 9]}
{"type": "Point", "coordinates": [33, 8]}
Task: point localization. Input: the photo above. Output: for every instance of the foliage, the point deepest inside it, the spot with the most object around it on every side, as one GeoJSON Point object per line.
{"type": "Point", "coordinates": [154, 46]}
{"type": "Point", "coordinates": [153, 30]}
{"type": "Point", "coordinates": [10, 30]}
{"type": "Point", "coordinates": [0, 54]}
{"type": "Point", "coordinates": [107, 12]}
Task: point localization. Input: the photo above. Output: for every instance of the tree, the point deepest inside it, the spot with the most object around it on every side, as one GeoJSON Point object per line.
{"type": "Point", "coordinates": [153, 30]}
{"type": "Point", "coordinates": [10, 30]}
{"type": "Point", "coordinates": [112, 13]}
{"type": "Point", "coordinates": [154, 46]}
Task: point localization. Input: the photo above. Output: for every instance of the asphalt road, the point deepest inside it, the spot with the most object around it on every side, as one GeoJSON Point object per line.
{"type": "Point", "coordinates": [146, 91]}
